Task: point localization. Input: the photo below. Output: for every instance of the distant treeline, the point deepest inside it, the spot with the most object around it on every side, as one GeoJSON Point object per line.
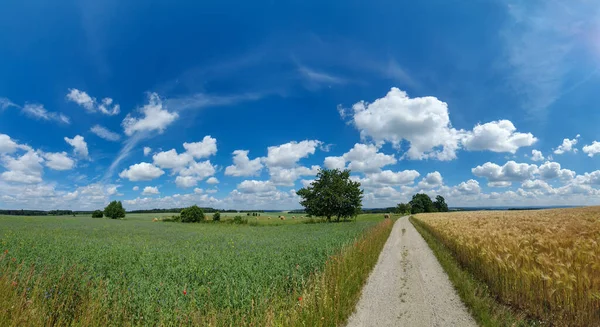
{"type": "Point", "coordinates": [178, 210]}
{"type": "Point", "coordinates": [23, 212]}
{"type": "Point", "coordinates": [379, 210]}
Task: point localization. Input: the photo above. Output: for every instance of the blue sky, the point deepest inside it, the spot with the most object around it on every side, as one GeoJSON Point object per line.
{"type": "Point", "coordinates": [236, 104]}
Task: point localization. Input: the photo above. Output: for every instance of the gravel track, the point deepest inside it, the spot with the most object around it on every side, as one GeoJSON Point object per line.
{"type": "Point", "coordinates": [408, 287]}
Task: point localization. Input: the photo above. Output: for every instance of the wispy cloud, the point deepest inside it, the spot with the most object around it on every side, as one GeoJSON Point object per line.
{"type": "Point", "coordinates": [319, 77]}
{"type": "Point", "coordinates": [38, 111]}
{"type": "Point", "coordinates": [541, 39]}
{"type": "Point", "coordinates": [5, 103]}
{"type": "Point", "coordinates": [105, 133]}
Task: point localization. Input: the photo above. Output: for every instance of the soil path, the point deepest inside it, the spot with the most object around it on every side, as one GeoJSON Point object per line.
{"type": "Point", "coordinates": [408, 287]}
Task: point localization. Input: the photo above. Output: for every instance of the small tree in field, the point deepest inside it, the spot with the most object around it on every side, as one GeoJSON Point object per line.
{"type": "Point", "coordinates": [114, 210]}
{"type": "Point", "coordinates": [97, 214]}
{"type": "Point", "coordinates": [216, 216]}
{"type": "Point", "coordinates": [332, 194]}
{"type": "Point", "coordinates": [192, 214]}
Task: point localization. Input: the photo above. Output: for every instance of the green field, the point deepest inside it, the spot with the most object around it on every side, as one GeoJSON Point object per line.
{"type": "Point", "coordinates": [146, 266]}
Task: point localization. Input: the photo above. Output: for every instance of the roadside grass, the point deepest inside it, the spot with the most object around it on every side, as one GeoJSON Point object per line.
{"type": "Point", "coordinates": [486, 310]}
{"type": "Point", "coordinates": [75, 271]}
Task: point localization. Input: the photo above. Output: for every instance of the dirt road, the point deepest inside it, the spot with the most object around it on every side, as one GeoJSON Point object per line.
{"type": "Point", "coordinates": [408, 287]}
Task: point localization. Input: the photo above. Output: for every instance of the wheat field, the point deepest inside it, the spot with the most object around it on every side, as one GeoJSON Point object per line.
{"type": "Point", "coordinates": [544, 263]}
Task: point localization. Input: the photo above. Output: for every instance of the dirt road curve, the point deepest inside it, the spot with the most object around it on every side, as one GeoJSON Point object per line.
{"type": "Point", "coordinates": [408, 287]}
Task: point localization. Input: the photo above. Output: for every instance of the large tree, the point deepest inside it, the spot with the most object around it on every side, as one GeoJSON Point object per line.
{"type": "Point", "coordinates": [440, 204]}
{"type": "Point", "coordinates": [114, 210]}
{"type": "Point", "coordinates": [421, 202]}
{"type": "Point", "coordinates": [403, 208]}
{"type": "Point", "coordinates": [332, 194]}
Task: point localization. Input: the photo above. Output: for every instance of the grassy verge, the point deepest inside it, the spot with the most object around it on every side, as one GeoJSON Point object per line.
{"type": "Point", "coordinates": [31, 298]}
{"type": "Point", "coordinates": [474, 293]}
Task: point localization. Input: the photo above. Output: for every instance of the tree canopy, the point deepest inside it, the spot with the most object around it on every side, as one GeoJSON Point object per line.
{"type": "Point", "coordinates": [192, 214]}
{"type": "Point", "coordinates": [421, 202]}
{"type": "Point", "coordinates": [403, 208]}
{"type": "Point", "coordinates": [97, 214]}
{"type": "Point", "coordinates": [114, 210]}
{"type": "Point", "coordinates": [332, 194]}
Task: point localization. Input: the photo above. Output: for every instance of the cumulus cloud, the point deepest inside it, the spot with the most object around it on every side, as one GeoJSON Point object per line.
{"type": "Point", "coordinates": [499, 184]}
{"type": "Point", "coordinates": [287, 176]}
{"type": "Point", "coordinates": [7, 145]}
{"type": "Point", "coordinates": [203, 149]}
{"type": "Point", "coordinates": [432, 180]}
{"type": "Point", "coordinates": [186, 181]}
{"type": "Point", "coordinates": [552, 170]}
{"type": "Point", "coordinates": [79, 145]}
{"type": "Point", "coordinates": [149, 190]}
{"type": "Point", "coordinates": [195, 172]}
{"type": "Point", "coordinates": [567, 146]}
{"type": "Point", "coordinates": [154, 117]}
{"type": "Point", "coordinates": [91, 105]}
{"type": "Point", "coordinates": [136, 188]}
{"type": "Point", "coordinates": [141, 172]}
{"type": "Point", "coordinates": [243, 166]}
{"type": "Point", "coordinates": [172, 160]}
{"type": "Point", "coordinates": [212, 180]}
{"type": "Point", "coordinates": [425, 124]}
{"type": "Point", "coordinates": [497, 136]}
{"type": "Point", "coordinates": [470, 187]}
{"type": "Point", "coordinates": [364, 158]}
{"type": "Point", "coordinates": [592, 149]}
{"type": "Point", "coordinates": [509, 172]}
{"type": "Point", "coordinates": [59, 161]}
{"type": "Point", "coordinates": [288, 154]}
{"type": "Point", "coordinates": [254, 186]}
{"type": "Point", "coordinates": [38, 111]}
{"type": "Point", "coordinates": [23, 169]}
{"type": "Point", "coordinates": [105, 133]}
{"type": "Point", "coordinates": [537, 155]}
{"type": "Point", "coordinates": [147, 150]}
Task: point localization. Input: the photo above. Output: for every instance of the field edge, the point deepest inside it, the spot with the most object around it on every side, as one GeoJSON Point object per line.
{"type": "Point", "coordinates": [484, 308]}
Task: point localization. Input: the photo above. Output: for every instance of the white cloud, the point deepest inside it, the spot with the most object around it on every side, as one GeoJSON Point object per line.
{"type": "Point", "coordinates": [5, 103]}
{"type": "Point", "coordinates": [254, 186]}
{"type": "Point", "coordinates": [147, 150]}
{"type": "Point", "coordinates": [90, 104]}
{"type": "Point", "coordinates": [149, 190]}
{"type": "Point", "coordinates": [287, 177]}
{"type": "Point", "coordinates": [592, 149]}
{"type": "Point", "coordinates": [388, 177]}
{"type": "Point", "coordinates": [79, 145]}
{"type": "Point", "coordinates": [136, 188]}
{"type": "Point", "coordinates": [364, 158]}
{"type": "Point", "coordinates": [155, 118]}
{"type": "Point", "coordinates": [24, 169]}
{"type": "Point", "coordinates": [335, 163]}
{"type": "Point", "coordinates": [511, 171]}
{"type": "Point", "coordinates": [537, 155]}
{"type": "Point", "coordinates": [535, 184]}
{"type": "Point", "coordinates": [212, 180]}
{"type": "Point", "coordinates": [172, 160]}
{"type": "Point", "coordinates": [59, 161]}
{"type": "Point", "coordinates": [307, 182]}
{"type": "Point", "coordinates": [497, 136]}
{"type": "Point", "coordinates": [7, 145]}
{"type": "Point", "coordinates": [39, 112]}
{"type": "Point", "coordinates": [470, 187]}
{"type": "Point", "coordinates": [432, 180]}
{"type": "Point", "coordinates": [499, 184]}
{"type": "Point", "coordinates": [423, 122]}
{"type": "Point", "coordinates": [288, 154]}
{"type": "Point", "coordinates": [141, 172]}
{"type": "Point", "coordinates": [198, 190]}
{"type": "Point", "coordinates": [204, 149]}
{"type": "Point", "coordinates": [200, 170]}
{"type": "Point", "coordinates": [567, 146]}
{"type": "Point", "coordinates": [105, 133]}
{"type": "Point", "coordinates": [243, 166]}
{"type": "Point", "coordinates": [186, 181]}
{"type": "Point", "coordinates": [552, 170]}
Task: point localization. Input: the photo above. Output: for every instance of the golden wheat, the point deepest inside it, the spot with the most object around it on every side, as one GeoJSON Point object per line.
{"type": "Point", "coordinates": [545, 263]}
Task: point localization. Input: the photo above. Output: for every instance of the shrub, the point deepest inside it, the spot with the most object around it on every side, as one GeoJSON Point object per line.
{"type": "Point", "coordinates": [98, 214]}
{"type": "Point", "coordinates": [192, 214]}
{"type": "Point", "coordinates": [217, 216]}
{"type": "Point", "coordinates": [114, 210]}
{"type": "Point", "coordinates": [240, 220]}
